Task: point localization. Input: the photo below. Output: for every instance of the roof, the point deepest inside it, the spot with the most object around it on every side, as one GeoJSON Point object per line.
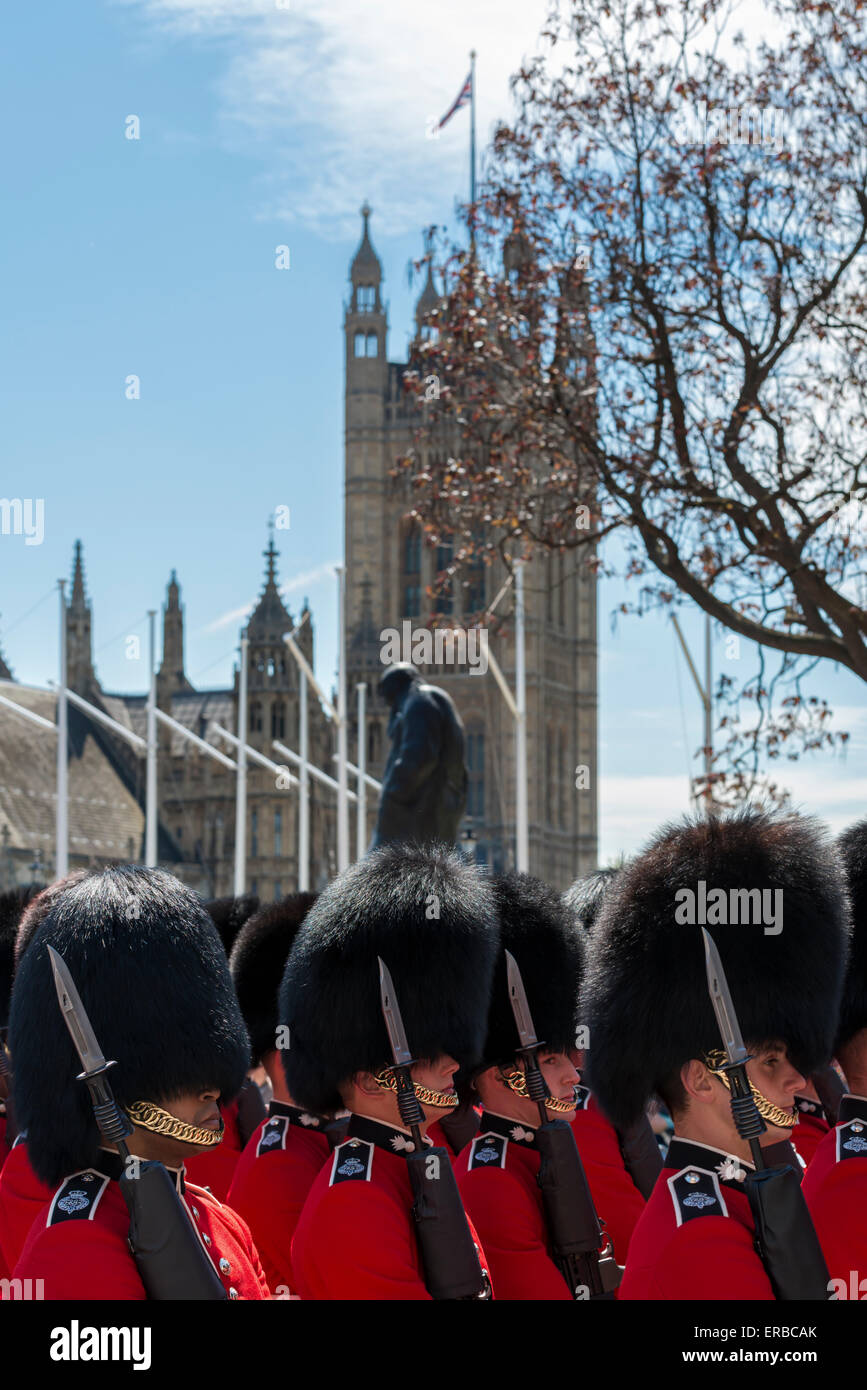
{"type": "Point", "coordinates": [103, 815]}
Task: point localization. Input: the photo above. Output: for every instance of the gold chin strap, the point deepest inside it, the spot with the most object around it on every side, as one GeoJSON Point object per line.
{"type": "Point", "coordinates": [149, 1116]}
{"type": "Point", "coordinates": [517, 1082]}
{"type": "Point", "coordinates": [770, 1113]}
{"type": "Point", "coordinates": [446, 1100]}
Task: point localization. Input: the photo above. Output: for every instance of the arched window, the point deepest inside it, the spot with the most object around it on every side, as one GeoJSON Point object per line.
{"type": "Point", "coordinates": [255, 718]}
{"type": "Point", "coordinates": [372, 345]}
{"type": "Point", "coordinates": [443, 597]}
{"type": "Point", "coordinates": [475, 756]}
{"type": "Point", "coordinates": [366, 345]}
{"type": "Point", "coordinates": [412, 550]}
{"type": "Point", "coordinates": [278, 719]}
{"type": "Point", "coordinates": [278, 834]}
{"type": "Point", "coordinates": [412, 601]}
{"type": "Point", "coordinates": [254, 835]}
{"type": "Point", "coordinates": [366, 298]}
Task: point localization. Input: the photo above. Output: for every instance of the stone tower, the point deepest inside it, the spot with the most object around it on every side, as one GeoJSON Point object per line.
{"type": "Point", "coordinates": [394, 574]}
{"type": "Point", "coordinates": [171, 677]}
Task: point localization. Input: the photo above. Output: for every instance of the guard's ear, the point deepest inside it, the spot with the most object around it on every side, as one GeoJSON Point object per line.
{"type": "Point", "coordinates": [367, 1083]}
{"type": "Point", "coordinates": [698, 1082]}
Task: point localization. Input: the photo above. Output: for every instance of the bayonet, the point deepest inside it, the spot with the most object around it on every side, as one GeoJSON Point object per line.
{"type": "Point", "coordinates": [114, 1125]}
{"type": "Point", "coordinates": [393, 1021]}
{"type": "Point", "coordinates": [748, 1122]}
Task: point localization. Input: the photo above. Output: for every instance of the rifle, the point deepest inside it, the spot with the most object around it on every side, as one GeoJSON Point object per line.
{"type": "Point", "coordinates": [448, 1252]}
{"type": "Point", "coordinates": [251, 1111]}
{"type": "Point", "coordinates": [785, 1238]}
{"type": "Point", "coordinates": [570, 1216]}
{"type": "Point", "coordinates": [641, 1156]}
{"type": "Point", "coordinates": [169, 1256]}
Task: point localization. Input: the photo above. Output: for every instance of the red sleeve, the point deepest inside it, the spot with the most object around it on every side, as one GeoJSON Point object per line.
{"type": "Point", "coordinates": [80, 1260]}
{"type": "Point", "coordinates": [511, 1232]}
{"type": "Point", "coordinates": [269, 1194]}
{"type": "Point", "coordinates": [354, 1242]}
{"type": "Point", "coordinates": [836, 1204]}
{"type": "Point", "coordinates": [712, 1258]}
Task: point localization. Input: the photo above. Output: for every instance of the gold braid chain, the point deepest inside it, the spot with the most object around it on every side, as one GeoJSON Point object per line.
{"type": "Point", "coordinates": [446, 1100]}
{"type": "Point", "coordinates": [517, 1081]}
{"type": "Point", "coordinates": [150, 1116]}
{"type": "Point", "coordinates": [780, 1119]}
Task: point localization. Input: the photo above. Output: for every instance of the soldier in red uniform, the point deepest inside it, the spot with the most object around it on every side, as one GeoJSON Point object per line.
{"type": "Point", "coordinates": [652, 1027]}
{"type": "Point", "coordinates": [286, 1151]}
{"type": "Point", "coordinates": [429, 915]}
{"type": "Point", "coordinates": [155, 983]}
{"type": "Point", "coordinates": [835, 1184]}
{"type": "Point", "coordinates": [497, 1172]}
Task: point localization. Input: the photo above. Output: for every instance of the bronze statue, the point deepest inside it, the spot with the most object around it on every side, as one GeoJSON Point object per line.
{"type": "Point", "coordinates": [424, 786]}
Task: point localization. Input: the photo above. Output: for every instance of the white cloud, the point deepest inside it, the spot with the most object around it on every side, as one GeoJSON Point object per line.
{"type": "Point", "coordinates": [335, 97]}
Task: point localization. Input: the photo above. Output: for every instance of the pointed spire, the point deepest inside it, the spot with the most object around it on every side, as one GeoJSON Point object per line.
{"type": "Point", "coordinates": [429, 299]}
{"type": "Point", "coordinates": [78, 599]}
{"type": "Point", "coordinates": [171, 676]}
{"type": "Point", "coordinates": [174, 594]}
{"type": "Point", "coordinates": [366, 268]}
{"type": "Point", "coordinates": [270, 618]}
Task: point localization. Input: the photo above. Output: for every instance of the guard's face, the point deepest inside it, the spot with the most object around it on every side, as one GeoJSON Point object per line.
{"type": "Point", "coordinates": [561, 1077]}
{"type": "Point", "coordinates": [436, 1075]}
{"type": "Point", "coordinates": [771, 1072]}
{"type": "Point", "coordinates": [193, 1108]}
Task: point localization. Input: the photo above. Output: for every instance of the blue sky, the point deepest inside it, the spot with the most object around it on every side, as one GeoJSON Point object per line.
{"type": "Point", "coordinates": [261, 125]}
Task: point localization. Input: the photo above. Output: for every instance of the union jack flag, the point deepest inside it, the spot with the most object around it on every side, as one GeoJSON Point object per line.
{"type": "Point", "coordinates": [462, 99]}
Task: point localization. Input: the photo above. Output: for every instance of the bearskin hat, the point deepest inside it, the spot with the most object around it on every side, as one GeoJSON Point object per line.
{"type": "Point", "coordinates": [430, 915]}
{"type": "Point", "coordinates": [12, 904]}
{"type": "Point", "coordinates": [853, 1010]}
{"type": "Point", "coordinates": [39, 907]}
{"type": "Point", "coordinates": [154, 979]}
{"type": "Point", "coordinates": [538, 930]}
{"type": "Point", "coordinates": [257, 963]}
{"type": "Point", "coordinates": [229, 915]}
{"type": "Point", "coordinates": [646, 999]}
{"type": "Point", "coordinates": [585, 896]}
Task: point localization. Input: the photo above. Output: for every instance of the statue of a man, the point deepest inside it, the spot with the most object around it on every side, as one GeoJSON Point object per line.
{"type": "Point", "coordinates": [424, 787]}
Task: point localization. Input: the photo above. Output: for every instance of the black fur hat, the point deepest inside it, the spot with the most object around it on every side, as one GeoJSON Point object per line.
{"type": "Point", "coordinates": [585, 896]}
{"type": "Point", "coordinates": [853, 1010]}
{"type": "Point", "coordinates": [537, 928]}
{"type": "Point", "coordinates": [153, 977]}
{"type": "Point", "coordinates": [430, 916]}
{"type": "Point", "coordinates": [12, 905]}
{"type": "Point", "coordinates": [257, 963]}
{"type": "Point", "coordinates": [646, 999]}
{"type": "Point", "coordinates": [229, 915]}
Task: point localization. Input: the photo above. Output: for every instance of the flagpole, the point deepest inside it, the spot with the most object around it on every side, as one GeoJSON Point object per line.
{"type": "Point", "coordinates": [473, 127]}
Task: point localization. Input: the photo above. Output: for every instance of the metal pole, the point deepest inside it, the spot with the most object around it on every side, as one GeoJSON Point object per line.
{"type": "Point", "coordinates": [342, 788]}
{"type": "Point", "coordinates": [304, 794]}
{"type": "Point", "coordinates": [473, 127]}
{"type": "Point", "coordinates": [241, 775]}
{"type": "Point", "coordinates": [521, 824]}
{"type": "Point", "coordinates": [61, 851]}
{"type": "Point", "coordinates": [708, 716]}
{"type": "Point", "coordinates": [361, 809]}
{"type": "Point", "coordinates": [151, 779]}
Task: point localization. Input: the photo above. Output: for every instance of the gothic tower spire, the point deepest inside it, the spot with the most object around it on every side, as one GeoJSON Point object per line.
{"type": "Point", "coordinates": [79, 655]}
{"type": "Point", "coordinates": [171, 676]}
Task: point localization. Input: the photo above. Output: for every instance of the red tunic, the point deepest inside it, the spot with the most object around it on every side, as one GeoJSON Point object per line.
{"type": "Point", "coordinates": [22, 1197]}
{"type": "Point", "coordinates": [835, 1190]}
{"type": "Point", "coordinates": [78, 1243]}
{"type": "Point", "coordinates": [274, 1174]}
{"type": "Point", "coordinates": [496, 1174]}
{"type": "Point", "coordinates": [811, 1128]}
{"type": "Point", "coordinates": [215, 1168]}
{"type": "Point", "coordinates": [694, 1239]}
{"type": "Point", "coordinates": [355, 1238]}
{"type": "Point", "coordinates": [617, 1200]}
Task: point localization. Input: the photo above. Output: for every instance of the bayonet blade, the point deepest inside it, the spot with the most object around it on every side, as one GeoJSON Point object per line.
{"type": "Point", "coordinates": [520, 1007]}
{"type": "Point", "coordinates": [723, 1007]}
{"type": "Point", "coordinates": [75, 1015]}
{"type": "Point", "coordinates": [391, 1013]}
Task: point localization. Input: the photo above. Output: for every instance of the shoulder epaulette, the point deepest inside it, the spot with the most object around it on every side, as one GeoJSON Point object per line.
{"type": "Point", "coordinates": [77, 1198]}
{"type": "Point", "coordinates": [696, 1192]}
{"type": "Point", "coordinates": [352, 1162]}
{"type": "Point", "coordinates": [852, 1140]}
{"type": "Point", "coordinates": [488, 1151]}
{"type": "Point", "coordinates": [273, 1135]}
